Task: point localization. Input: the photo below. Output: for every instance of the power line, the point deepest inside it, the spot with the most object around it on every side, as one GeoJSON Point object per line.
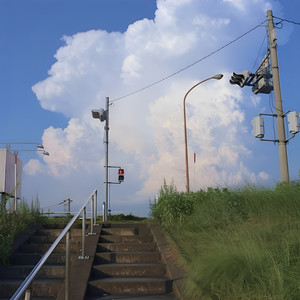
{"type": "Point", "coordinates": [60, 203]}
{"type": "Point", "coordinates": [190, 65]}
{"type": "Point", "coordinates": [262, 44]}
{"type": "Point", "coordinates": [285, 20]}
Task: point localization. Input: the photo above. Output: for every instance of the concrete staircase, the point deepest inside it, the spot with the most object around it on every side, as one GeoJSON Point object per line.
{"type": "Point", "coordinates": [127, 262]}
{"type": "Point", "coordinates": [51, 277]}
{"type": "Point", "coordinates": [122, 261]}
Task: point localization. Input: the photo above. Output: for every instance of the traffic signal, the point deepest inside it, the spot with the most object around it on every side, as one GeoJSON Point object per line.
{"type": "Point", "coordinates": [240, 79]}
{"type": "Point", "coordinates": [262, 86]}
{"type": "Point", "coordinates": [258, 127]}
{"type": "Point", "coordinates": [121, 175]}
{"type": "Point", "coordinates": [262, 83]}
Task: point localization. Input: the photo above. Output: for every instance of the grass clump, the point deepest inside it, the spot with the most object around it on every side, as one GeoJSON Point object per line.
{"type": "Point", "coordinates": [240, 244]}
{"type": "Point", "coordinates": [13, 222]}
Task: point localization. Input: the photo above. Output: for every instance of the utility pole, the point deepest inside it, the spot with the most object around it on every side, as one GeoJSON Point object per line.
{"type": "Point", "coordinates": [106, 128]}
{"type": "Point", "coordinates": [69, 206]}
{"type": "Point", "coordinates": [284, 171]}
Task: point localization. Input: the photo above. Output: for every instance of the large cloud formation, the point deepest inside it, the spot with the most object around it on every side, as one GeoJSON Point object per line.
{"type": "Point", "coordinates": [146, 129]}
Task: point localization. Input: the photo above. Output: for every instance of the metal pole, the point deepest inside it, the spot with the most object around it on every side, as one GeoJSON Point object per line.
{"type": "Point", "coordinates": [16, 184]}
{"type": "Point", "coordinates": [103, 208]}
{"type": "Point", "coordinates": [92, 215]}
{"type": "Point", "coordinates": [95, 205]}
{"type": "Point", "coordinates": [69, 206]}
{"type": "Point", "coordinates": [186, 149]}
{"type": "Point", "coordinates": [68, 251]}
{"type": "Point", "coordinates": [83, 232]}
{"type": "Point", "coordinates": [28, 294]}
{"type": "Point", "coordinates": [284, 170]}
{"type": "Point", "coordinates": [218, 76]}
{"type": "Point", "coordinates": [106, 157]}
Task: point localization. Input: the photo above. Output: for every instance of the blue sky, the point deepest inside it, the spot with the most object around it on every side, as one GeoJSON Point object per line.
{"type": "Point", "coordinates": [60, 59]}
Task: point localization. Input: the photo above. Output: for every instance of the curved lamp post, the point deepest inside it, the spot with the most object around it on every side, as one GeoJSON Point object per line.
{"type": "Point", "coordinates": [218, 76]}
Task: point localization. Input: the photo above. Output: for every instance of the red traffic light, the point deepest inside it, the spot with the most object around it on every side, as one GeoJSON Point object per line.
{"type": "Point", "coordinates": [121, 175]}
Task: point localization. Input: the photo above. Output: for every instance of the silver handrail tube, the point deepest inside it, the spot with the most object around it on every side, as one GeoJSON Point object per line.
{"type": "Point", "coordinates": [83, 234]}
{"type": "Point", "coordinates": [23, 287]}
{"type": "Point", "coordinates": [68, 263]}
{"type": "Point", "coordinates": [96, 199]}
{"type": "Point", "coordinates": [104, 212]}
{"type": "Point", "coordinates": [92, 214]}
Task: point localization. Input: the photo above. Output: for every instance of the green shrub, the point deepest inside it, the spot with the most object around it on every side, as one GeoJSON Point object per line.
{"type": "Point", "coordinates": [122, 217]}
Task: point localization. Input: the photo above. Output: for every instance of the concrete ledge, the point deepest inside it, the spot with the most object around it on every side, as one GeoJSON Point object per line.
{"type": "Point", "coordinates": [175, 272]}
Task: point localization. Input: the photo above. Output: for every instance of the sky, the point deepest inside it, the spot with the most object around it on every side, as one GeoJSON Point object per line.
{"type": "Point", "coordinates": [59, 59]}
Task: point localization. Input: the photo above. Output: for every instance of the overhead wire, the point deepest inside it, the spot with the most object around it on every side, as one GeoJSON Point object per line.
{"type": "Point", "coordinates": [190, 65]}
{"type": "Point", "coordinates": [261, 46]}
{"type": "Point", "coordinates": [60, 203]}
{"type": "Point", "coordinates": [286, 20]}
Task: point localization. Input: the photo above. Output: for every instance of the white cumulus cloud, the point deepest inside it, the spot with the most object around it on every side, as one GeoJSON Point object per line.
{"type": "Point", "coordinates": [146, 129]}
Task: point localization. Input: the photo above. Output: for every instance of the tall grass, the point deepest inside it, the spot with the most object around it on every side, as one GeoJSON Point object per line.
{"type": "Point", "coordinates": [240, 244]}
{"type": "Point", "coordinates": [12, 223]}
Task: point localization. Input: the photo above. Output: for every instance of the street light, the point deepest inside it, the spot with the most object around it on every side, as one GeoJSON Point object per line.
{"type": "Point", "coordinates": [103, 115]}
{"type": "Point", "coordinates": [218, 77]}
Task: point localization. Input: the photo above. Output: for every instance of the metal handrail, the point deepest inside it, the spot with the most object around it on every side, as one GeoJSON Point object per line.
{"type": "Point", "coordinates": [25, 284]}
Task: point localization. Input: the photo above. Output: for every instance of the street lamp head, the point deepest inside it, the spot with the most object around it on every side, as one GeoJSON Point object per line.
{"type": "Point", "coordinates": [99, 114]}
{"type": "Point", "coordinates": [96, 113]}
{"type": "Point", "coordinates": [218, 76]}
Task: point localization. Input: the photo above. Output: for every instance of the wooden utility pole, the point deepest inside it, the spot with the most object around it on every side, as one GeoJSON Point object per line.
{"type": "Point", "coordinates": [284, 170]}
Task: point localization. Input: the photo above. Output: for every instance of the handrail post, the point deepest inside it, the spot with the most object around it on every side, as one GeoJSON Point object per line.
{"type": "Point", "coordinates": [28, 294]}
{"type": "Point", "coordinates": [95, 223]}
{"type": "Point", "coordinates": [83, 233]}
{"type": "Point", "coordinates": [68, 250]}
{"type": "Point", "coordinates": [104, 210]}
{"type": "Point", "coordinates": [92, 216]}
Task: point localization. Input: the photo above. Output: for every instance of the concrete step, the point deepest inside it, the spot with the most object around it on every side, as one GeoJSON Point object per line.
{"type": "Point", "coordinates": [129, 270]}
{"type": "Point", "coordinates": [33, 258]}
{"type": "Point", "coordinates": [123, 247]}
{"type": "Point", "coordinates": [118, 231]}
{"type": "Point", "coordinates": [124, 225]}
{"type": "Point", "coordinates": [50, 239]}
{"type": "Point", "coordinates": [22, 271]}
{"type": "Point", "coordinates": [40, 287]}
{"type": "Point", "coordinates": [127, 257]}
{"type": "Point", "coordinates": [139, 228]}
{"type": "Point", "coordinates": [42, 248]}
{"type": "Point", "coordinates": [134, 297]}
{"type": "Point", "coordinates": [125, 238]}
{"type": "Point", "coordinates": [61, 226]}
{"type": "Point", "coordinates": [129, 286]}
{"type": "Point", "coordinates": [57, 232]}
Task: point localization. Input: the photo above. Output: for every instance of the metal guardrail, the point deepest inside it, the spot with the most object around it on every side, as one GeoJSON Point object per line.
{"type": "Point", "coordinates": [25, 286]}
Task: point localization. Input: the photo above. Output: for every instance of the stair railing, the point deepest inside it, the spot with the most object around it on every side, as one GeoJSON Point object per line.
{"type": "Point", "coordinates": [25, 286]}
